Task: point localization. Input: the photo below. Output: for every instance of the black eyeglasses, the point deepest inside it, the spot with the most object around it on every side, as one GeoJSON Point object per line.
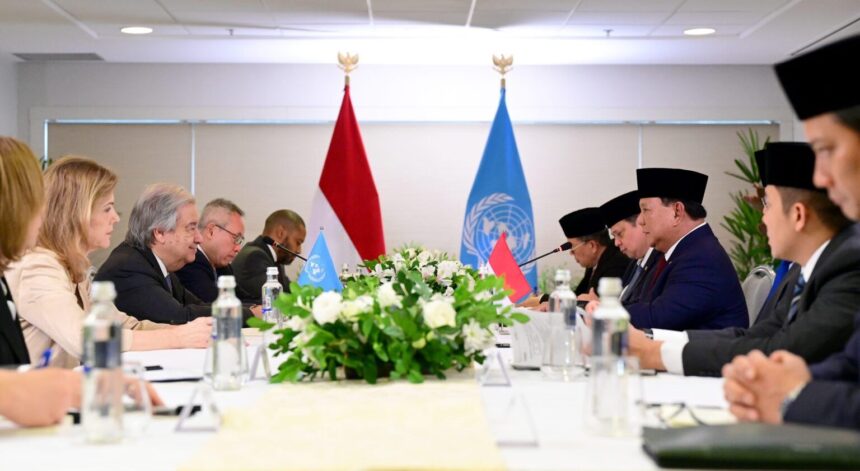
{"type": "Point", "coordinates": [667, 413]}
{"type": "Point", "coordinates": [238, 239]}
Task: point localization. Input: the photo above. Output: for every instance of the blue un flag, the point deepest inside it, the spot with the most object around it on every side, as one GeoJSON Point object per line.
{"type": "Point", "coordinates": [499, 201]}
{"type": "Point", "coordinates": [319, 269]}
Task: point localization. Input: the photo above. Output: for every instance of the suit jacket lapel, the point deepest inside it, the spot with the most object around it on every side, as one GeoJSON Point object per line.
{"type": "Point", "coordinates": [150, 258]}
{"type": "Point", "coordinates": [11, 329]}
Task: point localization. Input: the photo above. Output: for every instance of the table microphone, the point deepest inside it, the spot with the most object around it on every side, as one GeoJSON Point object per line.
{"type": "Point", "coordinates": [560, 248]}
{"type": "Point", "coordinates": [271, 241]}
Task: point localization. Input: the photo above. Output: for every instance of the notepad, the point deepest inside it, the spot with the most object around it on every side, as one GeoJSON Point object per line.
{"type": "Point", "coordinates": [753, 446]}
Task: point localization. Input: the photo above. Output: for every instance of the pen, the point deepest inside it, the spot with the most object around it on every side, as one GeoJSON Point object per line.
{"type": "Point", "coordinates": [46, 358]}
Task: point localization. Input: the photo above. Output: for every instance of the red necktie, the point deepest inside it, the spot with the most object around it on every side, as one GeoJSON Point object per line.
{"type": "Point", "coordinates": [661, 264]}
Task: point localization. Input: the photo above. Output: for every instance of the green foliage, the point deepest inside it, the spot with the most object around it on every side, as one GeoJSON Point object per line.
{"type": "Point", "coordinates": [744, 222]}
{"type": "Point", "coordinates": [416, 313]}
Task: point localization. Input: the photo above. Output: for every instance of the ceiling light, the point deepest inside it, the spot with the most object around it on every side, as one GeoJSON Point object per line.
{"type": "Point", "coordinates": [136, 30]}
{"type": "Point", "coordinates": [699, 31]}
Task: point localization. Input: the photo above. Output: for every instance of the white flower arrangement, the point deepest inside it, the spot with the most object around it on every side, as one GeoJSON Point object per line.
{"type": "Point", "coordinates": [416, 312]}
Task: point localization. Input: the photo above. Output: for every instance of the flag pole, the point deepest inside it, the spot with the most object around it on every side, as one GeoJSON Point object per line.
{"type": "Point", "coordinates": [503, 64]}
{"type": "Point", "coordinates": [347, 63]}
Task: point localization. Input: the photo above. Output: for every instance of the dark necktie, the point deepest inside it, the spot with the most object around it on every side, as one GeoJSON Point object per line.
{"type": "Point", "coordinates": [795, 298]}
{"type": "Point", "coordinates": [661, 264]}
{"type": "Point", "coordinates": [169, 284]}
{"type": "Point", "coordinates": [634, 281]}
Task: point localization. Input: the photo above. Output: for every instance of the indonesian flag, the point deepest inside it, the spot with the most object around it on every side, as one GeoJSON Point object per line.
{"type": "Point", "coordinates": [346, 204]}
{"type": "Point", "coordinates": [504, 265]}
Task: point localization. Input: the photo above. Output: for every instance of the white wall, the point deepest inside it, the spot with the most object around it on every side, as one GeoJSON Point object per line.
{"type": "Point", "coordinates": [536, 95]}
{"type": "Point", "coordinates": [396, 93]}
{"type": "Point", "coordinates": [8, 96]}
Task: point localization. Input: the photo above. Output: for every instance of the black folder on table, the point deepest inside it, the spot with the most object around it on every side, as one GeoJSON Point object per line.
{"type": "Point", "coordinates": [753, 446]}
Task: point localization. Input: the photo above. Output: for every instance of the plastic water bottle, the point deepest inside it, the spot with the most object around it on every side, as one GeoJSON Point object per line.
{"type": "Point", "coordinates": [271, 290]}
{"type": "Point", "coordinates": [614, 384]}
{"type": "Point", "coordinates": [101, 401]}
{"type": "Point", "coordinates": [611, 321]}
{"type": "Point", "coordinates": [560, 354]}
{"type": "Point", "coordinates": [228, 349]}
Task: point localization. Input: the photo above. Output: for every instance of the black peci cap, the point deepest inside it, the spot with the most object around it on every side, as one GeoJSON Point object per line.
{"type": "Point", "coordinates": [823, 80]}
{"type": "Point", "coordinates": [675, 183]}
{"type": "Point", "coordinates": [620, 207]}
{"type": "Point", "coordinates": [788, 164]}
{"type": "Point", "coordinates": [583, 222]}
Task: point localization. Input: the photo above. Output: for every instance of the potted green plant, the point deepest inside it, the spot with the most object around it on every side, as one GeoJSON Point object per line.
{"type": "Point", "coordinates": [744, 222]}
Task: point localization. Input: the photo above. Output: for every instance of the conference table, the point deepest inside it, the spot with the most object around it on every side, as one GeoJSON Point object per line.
{"type": "Point", "coordinates": [536, 423]}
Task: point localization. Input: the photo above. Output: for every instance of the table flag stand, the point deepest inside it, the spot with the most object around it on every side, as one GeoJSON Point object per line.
{"type": "Point", "coordinates": [493, 372]}
{"type": "Point", "coordinates": [208, 419]}
{"type": "Point", "coordinates": [261, 356]}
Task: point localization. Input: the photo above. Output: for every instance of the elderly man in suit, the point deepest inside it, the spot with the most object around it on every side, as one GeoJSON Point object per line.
{"type": "Point", "coordinates": [162, 238]}
{"type": "Point", "coordinates": [222, 233]}
{"type": "Point", "coordinates": [592, 249]}
{"type": "Point", "coordinates": [812, 311]}
{"type": "Point", "coordinates": [822, 89]}
{"type": "Point", "coordinates": [283, 229]}
{"type": "Point", "coordinates": [694, 285]}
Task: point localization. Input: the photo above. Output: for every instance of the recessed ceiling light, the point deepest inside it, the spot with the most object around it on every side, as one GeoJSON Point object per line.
{"type": "Point", "coordinates": [699, 31]}
{"type": "Point", "coordinates": [136, 30]}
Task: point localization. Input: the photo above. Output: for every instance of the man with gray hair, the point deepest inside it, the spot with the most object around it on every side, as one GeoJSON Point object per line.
{"type": "Point", "coordinates": [222, 233]}
{"type": "Point", "coordinates": [162, 238]}
{"type": "Point", "coordinates": [283, 228]}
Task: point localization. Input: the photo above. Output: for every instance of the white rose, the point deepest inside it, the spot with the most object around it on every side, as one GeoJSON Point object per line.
{"type": "Point", "coordinates": [475, 337]}
{"type": "Point", "coordinates": [352, 309]}
{"type": "Point", "coordinates": [387, 297]}
{"type": "Point", "coordinates": [449, 291]}
{"type": "Point", "coordinates": [424, 257]}
{"type": "Point", "coordinates": [439, 313]}
{"type": "Point", "coordinates": [327, 306]}
{"type": "Point", "coordinates": [427, 271]}
{"type": "Point", "coordinates": [446, 269]}
{"type": "Point", "coordinates": [410, 253]}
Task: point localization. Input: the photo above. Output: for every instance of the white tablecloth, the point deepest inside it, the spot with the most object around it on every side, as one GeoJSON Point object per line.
{"type": "Point", "coordinates": [538, 424]}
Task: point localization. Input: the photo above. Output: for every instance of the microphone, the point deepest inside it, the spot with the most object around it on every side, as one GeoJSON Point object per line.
{"type": "Point", "coordinates": [560, 248]}
{"type": "Point", "coordinates": [271, 241]}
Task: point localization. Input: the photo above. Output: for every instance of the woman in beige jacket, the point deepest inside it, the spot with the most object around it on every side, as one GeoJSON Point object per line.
{"type": "Point", "coordinates": [51, 283]}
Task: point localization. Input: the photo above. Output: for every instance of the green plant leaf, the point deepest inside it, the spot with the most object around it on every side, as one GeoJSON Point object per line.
{"type": "Point", "coordinates": [259, 324]}
{"type": "Point", "coordinates": [521, 318]}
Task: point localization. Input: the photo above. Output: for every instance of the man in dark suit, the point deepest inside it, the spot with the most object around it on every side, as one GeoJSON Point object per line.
{"type": "Point", "coordinates": [592, 249]}
{"type": "Point", "coordinates": [694, 285]}
{"type": "Point", "coordinates": [284, 227]}
{"type": "Point", "coordinates": [821, 86]}
{"type": "Point", "coordinates": [620, 215]}
{"type": "Point", "coordinates": [222, 233]}
{"type": "Point", "coordinates": [162, 238]}
{"type": "Point", "coordinates": [813, 309]}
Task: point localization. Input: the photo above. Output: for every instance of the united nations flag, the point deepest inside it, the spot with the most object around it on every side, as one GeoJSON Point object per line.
{"type": "Point", "coordinates": [499, 202]}
{"type": "Point", "coordinates": [319, 269]}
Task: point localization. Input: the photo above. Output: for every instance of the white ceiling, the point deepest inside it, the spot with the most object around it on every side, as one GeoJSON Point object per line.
{"type": "Point", "coordinates": [427, 31]}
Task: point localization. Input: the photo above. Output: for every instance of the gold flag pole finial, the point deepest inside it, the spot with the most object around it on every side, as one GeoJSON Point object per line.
{"type": "Point", "coordinates": [503, 64]}
{"type": "Point", "coordinates": [347, 63]}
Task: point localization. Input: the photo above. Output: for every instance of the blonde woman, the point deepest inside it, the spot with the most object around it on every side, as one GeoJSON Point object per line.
{"type": "Point", "coordinates": [51, 282]}
{"type": "Point", "coordinates": [43, 396]}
